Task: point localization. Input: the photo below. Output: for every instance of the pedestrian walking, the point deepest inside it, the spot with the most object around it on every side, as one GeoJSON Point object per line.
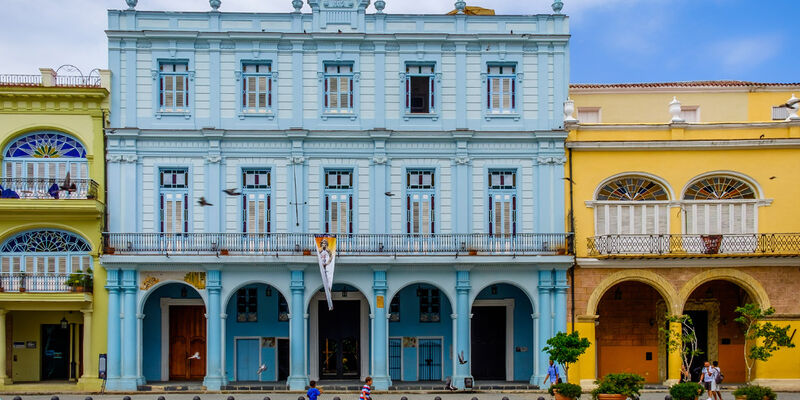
{"type": "Point", "coordinates": [552, 374]}
{"type": "Point", "coordinates": [707, 379]}
{"type": "Point", "coordinates": [718, 378]}
{"type": "Point", "coordinates": [313, 393]}
{"type": "Point", "coordinates": [365, 390]}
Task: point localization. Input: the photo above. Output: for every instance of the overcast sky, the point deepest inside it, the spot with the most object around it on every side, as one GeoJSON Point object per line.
{"type": "Point", "coordinates": [612, 40]}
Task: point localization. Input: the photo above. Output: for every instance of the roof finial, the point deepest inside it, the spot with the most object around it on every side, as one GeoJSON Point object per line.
{"type": "Point", "coordinates": [557, 6]}
{"type": "Point", "coordinates": [215, 4]}
{"type": "Point", "coordinates": [460, 5]}
{"type": "Point", "coordinates": [131, 4]}
{"type": "Point", "coordinates": [297, 4]}
{"type": "Point", "coordinates": [379, 6]}
{"type": "Point", "coordinates": [675, 110]}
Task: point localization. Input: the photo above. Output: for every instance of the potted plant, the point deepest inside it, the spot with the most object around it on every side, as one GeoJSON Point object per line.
{"type": "Point", "coordinates": [81, 281]}
{"type": "Point", "coordinates": [686, 391]}
{"type": "Point", "coordinates": [618, 387]}
{"type": "Point", "coordinates": [754, 392]}
{"type": "Point", "coordinates": [565, 391]}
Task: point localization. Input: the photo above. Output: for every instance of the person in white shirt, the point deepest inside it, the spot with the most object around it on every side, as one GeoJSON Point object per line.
{"type": "Point", "coordinates": [717, 373]}
{"type": "Point", "coordinates": [707, 378]}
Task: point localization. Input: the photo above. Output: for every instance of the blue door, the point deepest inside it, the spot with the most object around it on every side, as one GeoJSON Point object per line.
{"type": "Point", "coordinates": [430, 359]}
{"type": "Point", "coordinates": [247, 359]}
{"type": "Point", "coordinates": [395, 359]}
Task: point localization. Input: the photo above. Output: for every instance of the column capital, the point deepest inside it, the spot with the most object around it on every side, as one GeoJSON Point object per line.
{"type": "Point", "coordinates": [545, 289]}
{"type": "Point", "coordinates": [3, 312]}
{"type": "Point", "coordinates": [87, 311]}
{"type": "Point", "coordinates": [214, 280]}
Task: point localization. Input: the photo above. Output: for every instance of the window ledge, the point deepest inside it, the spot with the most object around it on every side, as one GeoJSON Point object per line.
{"type": "Point", "coordinates": [185, 114]}
{"type": "Point", "coordinates": [431, 116]}
{"type": "Point", "coordinates": [491, 115]}
{"type": "Point", "coordinates": [269, 115]}
{"type": "Point", "coordinates": [350, 115]}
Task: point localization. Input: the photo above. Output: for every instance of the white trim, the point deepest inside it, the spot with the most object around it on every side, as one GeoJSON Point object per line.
{"type": "Point", "coordinates": [402, 376]}
{"type": "Point", "coordinates": [660, 145]}
{"type": "Point", "coordinates": [166, 302]}
{"type": "Point", "coordinates": [236, 352]}
{"type": "Point", "coordinates": [704, 262]}
{"type": "Point", "coordinates": [675, 88]}
{"type": "Point", "coordinates": [509, 305]}
{"type": "Point", "coordinates": [441, 349]}
{"type": "Point", "coordinates": [313, 327]}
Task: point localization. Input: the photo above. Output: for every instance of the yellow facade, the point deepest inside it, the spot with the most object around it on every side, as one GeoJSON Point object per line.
{"type": "Point", "coordinates": [76, 108]}
{"type": "Point", "coordinates": [730, 134]}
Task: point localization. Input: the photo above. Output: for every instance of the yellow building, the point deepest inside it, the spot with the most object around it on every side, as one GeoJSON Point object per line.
{"type": "Point", "coordinates": [52, 205]}
{"type": "Point", "coordinates": [685, 202]}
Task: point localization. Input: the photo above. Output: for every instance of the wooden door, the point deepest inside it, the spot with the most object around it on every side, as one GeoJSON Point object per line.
{"type": "Point", "coordinates": [187, 336]}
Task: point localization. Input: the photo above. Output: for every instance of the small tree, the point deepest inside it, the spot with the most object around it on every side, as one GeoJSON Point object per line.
{"type": "Point", "coordinates": [564, 349]}
{"type": "Point", "coordinates": [684, 342]}
{"type": "Point", "coordinates": [763, 338]}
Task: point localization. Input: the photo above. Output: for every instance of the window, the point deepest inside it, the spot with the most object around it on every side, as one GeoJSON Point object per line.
{"type": "Point", "coordinates": [394, 309]}
{"type": "Point", "coordinates": [338, 81]}
{"type": "Point", "coordinates": [42, 260]}
{"type": "Point", "coordinates": [502, 202]}
{"type": "Point", "coordinates": [690, 114]}
{"type": "Point", "coordinates": [173, 81]}
{"type": "Point", "coordinates": [501, 89]}
{"type": "Point", "coordinates": [283, 308]}
{"type": "Point", "coordinates": [257, 88]}
{"type": "Point", "coordinates": [720, 205]}
{"type": "Point", "coordinates": [420, 89]}
{"type": "Point", "coordinates": [174, 200]}
{"type": "Point", "coordinates": [780, 113]}
{"type": "Point", "coordinates": [256, 201]}
{"type": "Point", "coordinates": [429, 304]}
{"type": "Point", "coordinates": [632, 205]}
{"type": "Point", "coordinates": [247, 305]}
{"type": "Point", "coordinates": [338, 201]}
{"type": "Point", "coordinates": [420, 206]}
{"type": "Point", "coordinates": [589, 115]}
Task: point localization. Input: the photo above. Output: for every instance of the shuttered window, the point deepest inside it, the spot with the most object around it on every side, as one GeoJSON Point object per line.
{"type": "Point", "coordinates": [256, 88]}
{"type": "Point", "coordinates": [338, 88]}
{"type": "Point", "coordinates": [338, 201]}
{"type": "Point", "coordinates": [633, 205]}
{"type": "Point", "coordinates": [502, 208]}
{"type": "Point", "coordinates": [722, 205]}
{"type": "Point", "coordinates": [257, 200]}
{"type": "Point", "coordinates": [174, 200]}
{"type": "Point", "coordinates": [501, 89]}
{"type": "Point", "coordinates": [173, 87]}
{"type": "Point", "coordinates": [420, 202]}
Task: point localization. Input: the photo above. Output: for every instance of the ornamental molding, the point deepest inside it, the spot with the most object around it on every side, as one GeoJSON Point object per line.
{"type": "Point", "coordinates": [213, 159]}
{"type": "Point", "coordinates": [295, 160]}
{"type": "Point", "coordinates": [551, 160]}
{"type": "Point", "coordinates": [380, 160]}
{"type": "Point", "coordinates": [122, 158]}
{"type": "Point", "coordinates": [462, 160]}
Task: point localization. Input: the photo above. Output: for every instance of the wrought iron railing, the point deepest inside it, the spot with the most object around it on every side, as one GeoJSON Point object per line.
{"type": "Point", "coordinates": [77, 81]}
{"type": "Point", "coordinates": [46, 188]}
{"type": "Point", "coordinates": [20, 80]}
{"type": "Point", "coordinates": [47, 282]}
{"type": "Point", "coordinates": [354, 244]}
{"type": "Point", "coordinates": [59, 80]}
{"type": "Point", "coordinates": [675, 245]}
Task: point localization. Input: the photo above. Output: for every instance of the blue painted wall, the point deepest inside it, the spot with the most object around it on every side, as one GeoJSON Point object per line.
{"type": "Point", "coordinates": [266, 326]}
{"type": "Point", "coordinates": [151, 327]}
{"type": "Point", "coordinates": [409, 325]}
{"type": "Point", "coordinates": [523, 327]}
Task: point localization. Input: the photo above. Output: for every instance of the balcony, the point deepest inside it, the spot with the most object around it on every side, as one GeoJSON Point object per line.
{"type": "Point", "coordinates": [76, 81]}
{"type": "Point", "coordinates": [44, 188]}
{"type": "Point", "coordinates": [49, 282]}
{"type": "Point", "coordinates": [757, 244]}
{"type": "Point", "coordinates": [224, 244]}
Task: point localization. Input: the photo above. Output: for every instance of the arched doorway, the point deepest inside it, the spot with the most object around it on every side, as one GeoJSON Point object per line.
{"type": "Point", "coordinates": [174, 334]}
{"type": "Point", "coordinates": [339, 338]}
{"type": "Point", "coordinates": [502, 334]}
{"type": "Point", "coordinates": [257, 334]}
{"type": "Point", "coordinates": [712, 308]}
{"type": "Point", "coordinates": [628, 338]}
{"type": "Point", "coordinates": [420, 332]}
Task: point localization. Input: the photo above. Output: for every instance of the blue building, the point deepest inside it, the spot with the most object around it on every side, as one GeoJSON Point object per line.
{"type": "Point", "coordinates": [432, 146]}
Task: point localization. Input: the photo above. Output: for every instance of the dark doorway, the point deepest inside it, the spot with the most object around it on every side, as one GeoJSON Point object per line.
{"type": "Point", "coordinates": [55, 353]}
{"type": "Point", "coordinates": [187, 343]}
{"type": "Point", "coordinates": [700, 322]}
{"type": "Point", "coordinates": [339, 331]}
{"type": "Point", "coordinates": [283, 359]}
{"type": "Point", "coordinates": [489, 343]}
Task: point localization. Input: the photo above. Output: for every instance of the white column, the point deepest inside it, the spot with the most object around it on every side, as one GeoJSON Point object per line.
{"type": "Point", "coordinates": [3, 377]}
{"type": "Point", "coordinates": [88, 363]}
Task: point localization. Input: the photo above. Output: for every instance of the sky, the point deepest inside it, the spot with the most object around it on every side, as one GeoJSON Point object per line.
{"type": "Point", "coordinates": [612, 40]}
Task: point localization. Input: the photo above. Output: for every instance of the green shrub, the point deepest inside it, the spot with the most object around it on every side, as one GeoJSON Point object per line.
{"type": "Point", "coordinates": [686, 391]}
{"type": "Point", "coordinates": [755, 392]}
{"type": "Point", "coordinates": [569, 390]}
{"type": "Point", "coordinates": [627, 384]}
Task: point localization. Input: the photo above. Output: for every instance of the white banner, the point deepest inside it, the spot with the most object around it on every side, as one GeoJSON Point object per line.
{"type": "Point", "coordinates": [326, 254]}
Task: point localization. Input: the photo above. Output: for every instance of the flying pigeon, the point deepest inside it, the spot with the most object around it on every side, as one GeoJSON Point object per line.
{"type": "Point", "coordinates": [68, 185]}
{"type": "Point", "coordinates": [261, 369]}
{"type": "Point", "coordinates": [461, 359]}
{"type": "Point", "coordinates": [195, 356]}
{"type": "Point", "coordinates": [232, 192]}
{"type": "Point", "coordinates": [390, 194]}
{"type": "Point", "coordinates": [202, 202]}
{"type": "Point", "coordinates": [791, 103]}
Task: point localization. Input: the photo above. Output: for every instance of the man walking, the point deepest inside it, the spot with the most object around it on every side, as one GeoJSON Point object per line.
{"type": "Point", "coordinates": [717, 380]}
{"type": "Point", "coordinates": [552, 374]}
{"type": "Point", "coordinates": [707, 379]}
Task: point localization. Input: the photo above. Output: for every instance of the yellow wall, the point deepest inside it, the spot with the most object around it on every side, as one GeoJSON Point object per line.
{"type": "Point", "coordinates": [26, 364]}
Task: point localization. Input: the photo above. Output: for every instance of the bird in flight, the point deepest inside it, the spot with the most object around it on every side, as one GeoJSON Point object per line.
{"type": "Point", "coordinates": [232, 192]}
{"type": "Point", "coordinates": [461, 359]}
{"type": "Point", "coordinates": [261, 369]}
{"type": "Point", "coordinates": [68, 185]}
{"type": "Point", "coordinates": [195, 356]}
{"type": "Point", "coordinates": [202, 202]}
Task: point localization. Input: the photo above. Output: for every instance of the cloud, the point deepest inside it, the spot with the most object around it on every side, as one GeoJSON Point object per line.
{"type": "Point", "coordinates": [741, 55]}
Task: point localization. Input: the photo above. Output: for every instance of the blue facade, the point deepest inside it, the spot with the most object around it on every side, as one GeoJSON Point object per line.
{"type": "Point", "coordinates": [432, 145]}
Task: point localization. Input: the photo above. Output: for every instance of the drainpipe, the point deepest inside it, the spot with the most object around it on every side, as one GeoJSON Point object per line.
{"type": "Point", "coordinates": [572, 245]}
{"type": "Point", "coordinates": [105, 174]}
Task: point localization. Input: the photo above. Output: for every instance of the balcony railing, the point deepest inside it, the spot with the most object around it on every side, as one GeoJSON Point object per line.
{"type": "Point", "coordinates": [355, 244]}
{"type": "Point", "coordinates": [680, 245]}
{"type": "Point", "coordinates": [49, 282]}
{"type": "Point", "coordinates": [78, 81]}
{"type": "Point", "coordinates": [44, 188]}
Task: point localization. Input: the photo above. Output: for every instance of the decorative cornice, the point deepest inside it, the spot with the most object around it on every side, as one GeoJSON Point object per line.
{"type": "Point", "coordinates": [660, 145]}
{"type": "Point", "coordinates": [551, 160]}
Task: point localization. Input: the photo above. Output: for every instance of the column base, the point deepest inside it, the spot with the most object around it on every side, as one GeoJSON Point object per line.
{"type": "Point", "coordinates": [127, 384]}
{"type": "Point", "coordinates": [90, 384]}
{"type": "Point", "coordinates": [670, 382]}
{"type": "Point", "coordinates": [381, 382]}
{"type": "Point", "coordinates": [297, 382]}
{"type": "Point", "coordinates": [458, 381]}
{"type": "Point", "coordinates": [213, 382]}
{"type": "Point", "coordinates": [6, 381]}
{"type": "Point", "coordinates": [589, 384]}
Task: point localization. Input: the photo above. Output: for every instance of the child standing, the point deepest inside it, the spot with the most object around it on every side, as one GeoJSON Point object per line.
{"type": "Point", "coordinates": [365, 390]}
{"type": "Point", "coordinates": [313, 393]}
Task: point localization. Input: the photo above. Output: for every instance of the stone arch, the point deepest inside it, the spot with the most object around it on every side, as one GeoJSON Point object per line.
{"type": "Point", "coordinates": [146, 295]}
{"type": "Point", "coordinates": [657, 282]}
{"type": "Point", "coordinates": [309, 295]}
{"type": "Point", "coordinates": [232, 292]}
{"type": "Point", "coordinates": [442, 289]}
{"type": "Point", "coordinates": [743, 280]}
{"type": "Point", "coordinates": [474, 293]}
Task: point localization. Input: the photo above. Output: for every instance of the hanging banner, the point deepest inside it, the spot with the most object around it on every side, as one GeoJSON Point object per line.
{"type": "Point", "coordinates": [326, 254]}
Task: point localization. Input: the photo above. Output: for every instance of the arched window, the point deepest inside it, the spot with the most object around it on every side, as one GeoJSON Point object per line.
{"type": "Point", "coordinates": [630, 205]}
{"type": "Point", "coordinates": [42, 260]}
{"type": "Point", "coordinates": [45, 155]}
{"type": "Point", "coordinates": [720, 205]}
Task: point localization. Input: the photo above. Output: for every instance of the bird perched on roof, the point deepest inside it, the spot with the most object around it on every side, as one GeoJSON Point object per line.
{"type": "Point", "coordinates": [202, 202]}
{"type": "Point", "coordinates": [232, 192]}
